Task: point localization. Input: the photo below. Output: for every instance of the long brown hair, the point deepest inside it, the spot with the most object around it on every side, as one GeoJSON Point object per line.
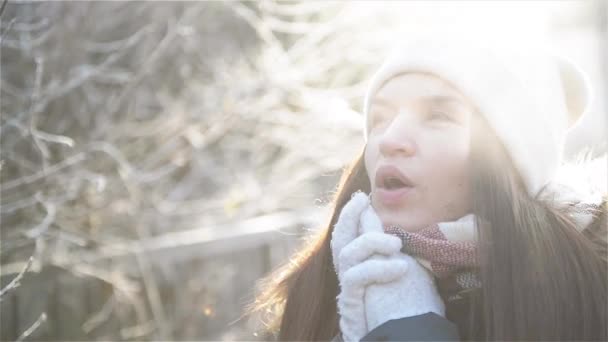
{"type": "Point", "coordinates": [541, 278]}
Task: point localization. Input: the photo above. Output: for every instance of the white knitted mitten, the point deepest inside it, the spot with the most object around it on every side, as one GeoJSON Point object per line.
{"type": "Point", "coordinates": [413, 293]}
{"type": "Point", "coordinates": [378, 282]}
{"type": "Point", "coordinates": [360, 261]}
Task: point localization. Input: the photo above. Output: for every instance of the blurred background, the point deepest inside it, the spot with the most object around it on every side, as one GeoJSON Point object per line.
{"type": "Point", "coordinates": [158, 158]}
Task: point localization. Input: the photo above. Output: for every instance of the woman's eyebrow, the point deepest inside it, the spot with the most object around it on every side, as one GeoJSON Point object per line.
{"type": "Point", "coordinates": [433, 100]}
{"type": "Point", "coordinates": [444, 100]}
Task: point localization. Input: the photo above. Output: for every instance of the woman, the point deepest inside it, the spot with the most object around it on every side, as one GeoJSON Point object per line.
{"type": "Point", "coordinates": [451, 224]}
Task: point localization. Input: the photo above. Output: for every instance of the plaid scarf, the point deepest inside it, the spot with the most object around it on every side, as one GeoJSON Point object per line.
{"type": "Point", "coordinates": [449, 249]}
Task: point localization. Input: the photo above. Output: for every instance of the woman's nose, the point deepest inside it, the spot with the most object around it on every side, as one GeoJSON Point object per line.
{"type": "Point", "coordinates": [397, 139]}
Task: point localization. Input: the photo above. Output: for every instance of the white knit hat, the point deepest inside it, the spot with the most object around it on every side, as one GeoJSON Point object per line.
{"type": "Point", "coordinates": [530, 97]}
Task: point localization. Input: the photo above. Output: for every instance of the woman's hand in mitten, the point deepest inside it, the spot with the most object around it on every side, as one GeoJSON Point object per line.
{"type": "Point", "coordinates": [350, 256]}
{"type": "Point", "coordinates": [411, 294]}
{"type": "Point", "coordinates": [365, 261]}
{"type": "Point", "coordinates": [346, 229]}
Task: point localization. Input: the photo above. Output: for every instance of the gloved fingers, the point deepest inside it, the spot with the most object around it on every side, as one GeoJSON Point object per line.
{"type": "Point", "coordinates": [370, 222]}
{"type": "Point", "coordinates": [410, 295]}
{"type": "Point", "coordinates": [351, 309]}
{"type": "Point", "coordinates": [346, 228]}
{"type": "Point", "coordinates": [415, 269]}
{"type": "Point", "coordinates": [352, 330]}
{"type": "Point", "coordinates": [372, 271]}
{"type": "Point", "coordinates": [366, 245]}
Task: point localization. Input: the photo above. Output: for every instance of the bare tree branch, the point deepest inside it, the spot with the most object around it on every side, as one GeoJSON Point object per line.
{"type": "Point", "coordinates": [15, 282]}
{"type": "Point", "coordinates": [32, 328]}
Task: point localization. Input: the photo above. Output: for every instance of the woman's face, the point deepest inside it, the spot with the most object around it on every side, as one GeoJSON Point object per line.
{"type": "Point", "coordinates": [420, 124]}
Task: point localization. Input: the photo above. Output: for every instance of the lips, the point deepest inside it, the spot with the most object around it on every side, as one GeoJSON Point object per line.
{"type": "Point", "coordinates": [390, 177]}
{"type": "Point", "coordinates": [393, 187]}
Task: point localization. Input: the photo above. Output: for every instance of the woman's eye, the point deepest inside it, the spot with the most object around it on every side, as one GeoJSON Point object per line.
{"type": "Point", "coordinates": [438, 115]}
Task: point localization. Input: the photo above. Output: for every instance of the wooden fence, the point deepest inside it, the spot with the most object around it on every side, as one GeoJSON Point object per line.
{"type": "Point", "coordinates": [189, 285]}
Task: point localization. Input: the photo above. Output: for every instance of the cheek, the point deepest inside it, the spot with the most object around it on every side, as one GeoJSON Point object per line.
{"type": "Point", "coordinates": [450, 150]}
{"type": "Point", "coordinates": [449, 168]}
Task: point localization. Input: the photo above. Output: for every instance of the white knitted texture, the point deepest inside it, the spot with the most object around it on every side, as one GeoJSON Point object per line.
{"type": "Point", "coordinates": [377, 281]}
{"type": "Point", "coordinates": [412, 294]}
{"type": "Point", "coordinates": [350, 299]}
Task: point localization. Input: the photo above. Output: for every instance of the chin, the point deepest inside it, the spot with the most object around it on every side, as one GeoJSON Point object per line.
{"type": "Point", "coordinates": [390, 219]}
{"type": "Point", "coordinates": [404, 223]}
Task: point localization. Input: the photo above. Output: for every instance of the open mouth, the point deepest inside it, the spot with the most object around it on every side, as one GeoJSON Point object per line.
{"type": "Point", "coordinates": [393, 183]}
{"type": "Point", "coordinates": [393, 186]}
